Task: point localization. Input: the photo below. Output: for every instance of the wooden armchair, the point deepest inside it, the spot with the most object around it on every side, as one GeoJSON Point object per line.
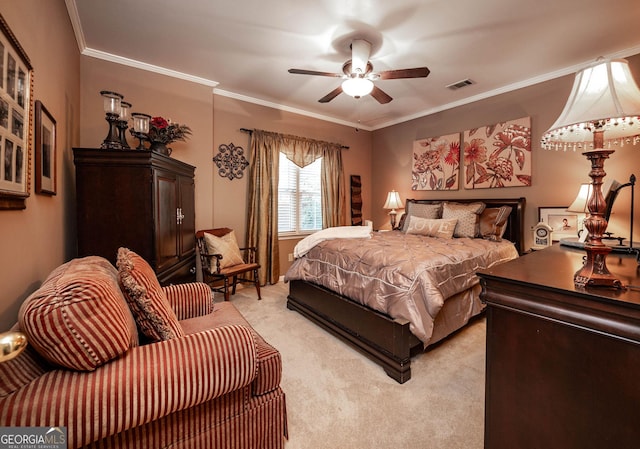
{"type": "Point", "coordinates": [215, 269]}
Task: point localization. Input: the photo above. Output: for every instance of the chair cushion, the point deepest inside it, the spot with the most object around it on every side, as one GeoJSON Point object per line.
{"type": "Point", "coordinates": [269, 359]}
{"type": "Point", "coordinates": [150, 307]}
{"type": "Point", "coordinates": [227, 246]}
{"type": "Point", "coordinates": [78, 318]}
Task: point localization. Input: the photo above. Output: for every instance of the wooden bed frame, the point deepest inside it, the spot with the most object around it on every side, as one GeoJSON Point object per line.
{"type": "Point", "coordinates": [386, 341]}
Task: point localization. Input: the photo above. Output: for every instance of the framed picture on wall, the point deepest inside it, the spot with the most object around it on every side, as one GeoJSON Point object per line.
{"type": "Point", "coordinates": [45, 143]}
{"type": "Point", "coordinates": [16, 83]}
{"type": "Point", "coordinates": [565, 224]}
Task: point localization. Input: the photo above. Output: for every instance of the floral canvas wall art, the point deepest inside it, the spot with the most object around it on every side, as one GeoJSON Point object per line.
{"type": "Point", "coordinates": [436, 163]}
{"type": "Point", "coordinates": [498, 155]}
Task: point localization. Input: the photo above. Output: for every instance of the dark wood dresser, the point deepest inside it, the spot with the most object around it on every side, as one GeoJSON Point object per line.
{"type": "Point", "coordinates": [141, 200]}
{"type": "Point", "coordinates": [563, 364]}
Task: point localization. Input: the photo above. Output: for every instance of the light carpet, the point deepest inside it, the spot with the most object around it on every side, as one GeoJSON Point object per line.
{"type": "Point", "coordinates": [337, 398]}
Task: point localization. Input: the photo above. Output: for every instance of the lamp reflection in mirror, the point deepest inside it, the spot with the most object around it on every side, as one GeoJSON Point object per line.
{"type": "Point", "coordinates": [579, 205]}
{"type": "Point", "coordinates": [604, 100]}
{"type": "Point", "coordinates": [11, 344]}
{"type": "Point", "coordinates": [393, 202]}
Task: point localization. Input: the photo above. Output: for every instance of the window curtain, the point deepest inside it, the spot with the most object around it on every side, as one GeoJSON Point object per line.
{"type": "Point", "coordinates": [263, 191]}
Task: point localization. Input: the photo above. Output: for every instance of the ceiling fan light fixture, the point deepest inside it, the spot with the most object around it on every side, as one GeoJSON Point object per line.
{"type": "Point", "coordinates": [357, 87]}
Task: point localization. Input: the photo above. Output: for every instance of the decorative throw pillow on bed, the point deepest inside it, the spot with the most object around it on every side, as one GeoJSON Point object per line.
{"type": "Point", "coordinates": [468, 216]}
{"type": "Point", "coordinates": [151, 310]}
{"type": "Point", "coordinates": [438, 227]}
{"type": "Point", "coordinates": [78, 318]}
{"type": "Point", "coordinates": [226, 245]}
{"type": "Point", "coordinates": [421, 210]}
{"type": "Point", "coordinates": [493, 222]}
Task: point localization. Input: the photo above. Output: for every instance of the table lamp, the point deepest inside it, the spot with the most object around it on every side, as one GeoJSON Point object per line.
{"type": "Point", "coordinates": [393, 202]}
{"type": "Point", "coordinates": [604, 102]}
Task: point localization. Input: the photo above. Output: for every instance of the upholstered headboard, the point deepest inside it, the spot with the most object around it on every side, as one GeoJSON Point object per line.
{"type": "Point", "coordinates": [515, 222]}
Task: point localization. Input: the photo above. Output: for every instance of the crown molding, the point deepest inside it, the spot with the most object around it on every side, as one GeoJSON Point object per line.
{"type": "Point", "coordinates": [511, 87]}
{"type": "Point", "coordinates": [148, 67]}
{"type": "Point", "coordinates": [72, 10]}
{"type": "Point", "coordinates": [281, 107]}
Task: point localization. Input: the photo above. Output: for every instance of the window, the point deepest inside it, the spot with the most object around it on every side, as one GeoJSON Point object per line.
{"type": "Point", "coordinates": [299, 200]}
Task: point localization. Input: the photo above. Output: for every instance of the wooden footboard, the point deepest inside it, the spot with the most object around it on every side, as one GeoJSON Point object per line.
{"type": "Point", "coordinates": [386, 341]}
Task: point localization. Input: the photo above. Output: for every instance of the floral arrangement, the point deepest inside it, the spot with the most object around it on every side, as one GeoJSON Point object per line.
{"type": "Point", "coordinates": [164, 131]}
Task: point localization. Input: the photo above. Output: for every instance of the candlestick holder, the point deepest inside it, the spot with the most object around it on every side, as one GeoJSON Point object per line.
{"type": "Point", "coordinates": [112, 110]}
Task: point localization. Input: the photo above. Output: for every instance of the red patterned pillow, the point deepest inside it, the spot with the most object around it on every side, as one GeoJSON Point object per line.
{"type": "Point", "coordinates": [78, 318]}
{"type": "Point", "coordinates": [147, 300]}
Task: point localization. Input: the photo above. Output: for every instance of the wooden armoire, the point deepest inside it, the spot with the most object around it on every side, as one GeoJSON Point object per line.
{"type": "Point", "coordinates": [141, 200]}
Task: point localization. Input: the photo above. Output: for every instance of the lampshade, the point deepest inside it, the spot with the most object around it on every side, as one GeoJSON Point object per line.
{"type": "Point", "coordinates": [580, 203]}
{"type": "Point", "coordinates": [393, 201]}
{"type": "Point", "coordinates": [357, 87]}
{"type": "Point", "coordinates": [604, 95]}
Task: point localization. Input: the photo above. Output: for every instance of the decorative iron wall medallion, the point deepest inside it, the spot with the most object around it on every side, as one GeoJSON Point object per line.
{"type": "Point", "coordinates": [230, 161]}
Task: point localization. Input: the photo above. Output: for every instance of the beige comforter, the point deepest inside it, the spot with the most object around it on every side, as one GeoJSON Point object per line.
{"type": "Point", "coordinates": [402, 275]}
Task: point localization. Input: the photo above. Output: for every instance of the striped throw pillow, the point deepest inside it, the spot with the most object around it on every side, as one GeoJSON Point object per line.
{"type": "Point", "coordinates": [78, 318]}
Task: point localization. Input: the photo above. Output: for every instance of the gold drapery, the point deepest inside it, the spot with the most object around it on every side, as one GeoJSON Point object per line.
{"type": "Point", "coordinates": [262, 229]}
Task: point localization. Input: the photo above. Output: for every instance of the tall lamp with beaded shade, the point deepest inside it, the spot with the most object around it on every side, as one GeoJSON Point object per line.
{"type": "Point", "coordinates": [603, 110]}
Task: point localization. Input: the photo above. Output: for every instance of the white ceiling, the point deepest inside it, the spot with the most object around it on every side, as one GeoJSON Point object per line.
{"type": "Point", "coordinates": [243, 48]}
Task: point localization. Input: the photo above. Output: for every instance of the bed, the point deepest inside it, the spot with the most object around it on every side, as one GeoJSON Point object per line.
{"type": "Point", "coordinates": [374, 319]}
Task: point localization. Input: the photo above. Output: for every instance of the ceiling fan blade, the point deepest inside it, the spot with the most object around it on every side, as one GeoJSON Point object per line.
{"type": "Point", "coordinates": [418, 72]}
{"type": "Point", "coordinates": [313, 72]}
{"type": "Point", "coordinates": [331, 95]}
{"type": "Point", "coordinates": [381, 96]}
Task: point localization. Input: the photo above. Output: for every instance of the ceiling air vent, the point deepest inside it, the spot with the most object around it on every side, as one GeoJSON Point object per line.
{"type": "Point", "coordinates": [460, 84]}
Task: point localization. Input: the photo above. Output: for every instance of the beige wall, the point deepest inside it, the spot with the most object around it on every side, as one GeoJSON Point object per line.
{"type": "Point", "coordinates": [37, 239]}
{"type": "Point", "coordinates": [230, 196]}
{"type": "Point", "coordinates": [556, 176]}
{"type": "Point", "coordinates": [158, 95]}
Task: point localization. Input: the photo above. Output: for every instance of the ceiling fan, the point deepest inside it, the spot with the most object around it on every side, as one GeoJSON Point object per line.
{"type": "Point", "coordinates": [358, 75]}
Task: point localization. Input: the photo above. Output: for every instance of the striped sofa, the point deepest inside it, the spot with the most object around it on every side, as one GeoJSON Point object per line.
{"type": "Point", "coordinates": [213, 383]}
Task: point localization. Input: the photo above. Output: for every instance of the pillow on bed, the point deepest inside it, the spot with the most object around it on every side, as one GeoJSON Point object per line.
{"type": "Point", "coordinates": [421, 210]}
{"type": "Point", "coordinates": [493, 222]}
{"type": "Point", "coordinates": [468, 216]}
{"type": "Point", "coordinates": [438, 227]}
